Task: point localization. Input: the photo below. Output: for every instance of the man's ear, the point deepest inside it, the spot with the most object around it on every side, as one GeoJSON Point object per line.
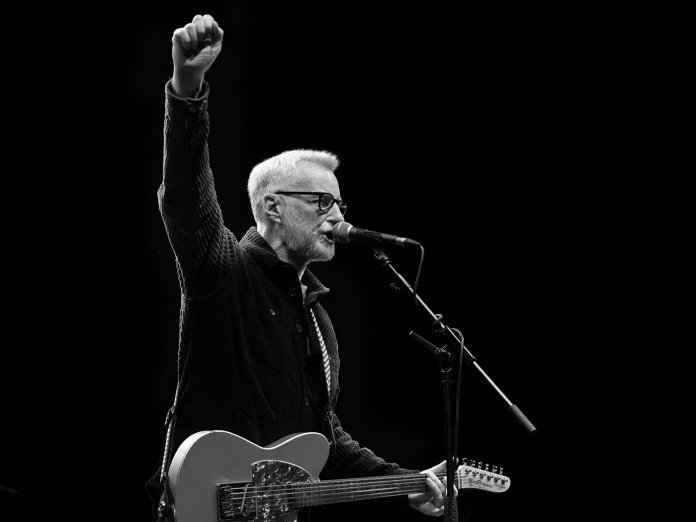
{"type": "Point", "coordinates": [271, 207]}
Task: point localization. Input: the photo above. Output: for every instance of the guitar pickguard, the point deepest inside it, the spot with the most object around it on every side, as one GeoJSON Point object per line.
{"type": "Point", "coordinates": [269, 498]}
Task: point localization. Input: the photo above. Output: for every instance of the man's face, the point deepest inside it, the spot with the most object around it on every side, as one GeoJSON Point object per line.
{"type": "Point", "coordinates": [305, 226]}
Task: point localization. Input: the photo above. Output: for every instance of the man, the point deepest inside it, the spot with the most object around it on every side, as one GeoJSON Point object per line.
{"type": "Point", "coordinates": [258, 356]}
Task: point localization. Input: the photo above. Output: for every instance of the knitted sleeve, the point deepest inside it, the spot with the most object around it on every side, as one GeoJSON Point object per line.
{"type": "Point", "coordinates": [348, 459]}
{"type": "Point", "coordinates": [187, 199]}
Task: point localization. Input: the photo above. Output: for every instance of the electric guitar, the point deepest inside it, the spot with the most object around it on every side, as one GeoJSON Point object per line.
{"type": "Point", "coordinates": [217, 476]}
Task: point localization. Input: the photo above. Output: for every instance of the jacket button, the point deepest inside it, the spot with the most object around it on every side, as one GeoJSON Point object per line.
{"type": "Point", "coordinates": [298, 327]}
{"type": "Point", "coordinates": [293, 291]}
{"type": "Point", "coordinates": [306, 401]}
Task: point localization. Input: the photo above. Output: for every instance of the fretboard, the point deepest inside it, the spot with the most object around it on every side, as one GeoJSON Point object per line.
{"type": "Point", "coordinates": [348, 490]}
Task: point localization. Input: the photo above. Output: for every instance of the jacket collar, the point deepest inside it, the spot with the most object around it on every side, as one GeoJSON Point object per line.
{"type": "Point", "coordinates": [258, 248]}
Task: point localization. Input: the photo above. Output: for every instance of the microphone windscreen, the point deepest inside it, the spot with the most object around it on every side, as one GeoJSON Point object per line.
{"type": "Point", "coordinates": [340, 232]}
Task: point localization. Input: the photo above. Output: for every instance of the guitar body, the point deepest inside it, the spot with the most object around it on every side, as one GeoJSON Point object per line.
{"type": "Point", "coordinates": [209, 459]}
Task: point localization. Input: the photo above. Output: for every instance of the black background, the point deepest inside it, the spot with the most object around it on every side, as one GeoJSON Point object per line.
{"type": "Point", "coordinates": [484, 132]}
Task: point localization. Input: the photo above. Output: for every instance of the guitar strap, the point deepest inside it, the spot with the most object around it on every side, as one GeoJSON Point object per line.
{"type": "Point", "coordinates": [328, 412]}
{"type": "Point", "coordinates": [324, 353]}
{"type": "Point", "coordinates": [158, 485]}
{"type": "Point", "coordinates": [165, 507]}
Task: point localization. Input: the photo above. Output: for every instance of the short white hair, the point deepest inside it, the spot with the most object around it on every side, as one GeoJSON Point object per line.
{"type": "Point", "coordinates": [274, 173]}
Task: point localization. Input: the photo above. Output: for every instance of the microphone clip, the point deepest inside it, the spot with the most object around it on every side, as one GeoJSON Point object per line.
{"type": "Point", "coordinates": [442, 355]}
{"type": "Point", "coordinates": [381, 257]}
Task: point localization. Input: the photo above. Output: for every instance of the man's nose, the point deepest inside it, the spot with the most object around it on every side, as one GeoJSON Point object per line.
{"type": "Point", "coordinates": [334, 215]}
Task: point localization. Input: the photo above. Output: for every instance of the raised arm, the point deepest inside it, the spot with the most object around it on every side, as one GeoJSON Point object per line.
{"type": "Point", "coordinates": [187, 199]}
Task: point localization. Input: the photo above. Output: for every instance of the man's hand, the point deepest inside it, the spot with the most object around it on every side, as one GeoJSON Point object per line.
{"type": "Point", "coordinates": [195, 47]}
{"type": "Point", "coordinates": [432, 502]}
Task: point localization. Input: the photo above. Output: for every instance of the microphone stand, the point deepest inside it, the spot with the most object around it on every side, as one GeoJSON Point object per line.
{"type": "Point", "coordinates": [444, 359]}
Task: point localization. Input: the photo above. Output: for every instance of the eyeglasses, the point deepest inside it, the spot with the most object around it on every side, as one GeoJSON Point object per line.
{"type": "Point", "coordinates": [325, 200]}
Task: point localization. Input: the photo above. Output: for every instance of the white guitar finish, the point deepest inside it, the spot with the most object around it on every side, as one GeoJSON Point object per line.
{"type": "Point", "coordinates": [217, 476]}
{"type": "Point", "coordinates": [208, 458]}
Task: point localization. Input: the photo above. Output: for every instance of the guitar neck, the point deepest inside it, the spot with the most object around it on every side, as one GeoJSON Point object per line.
{"type": "Point", "coordinates": [348, 490]}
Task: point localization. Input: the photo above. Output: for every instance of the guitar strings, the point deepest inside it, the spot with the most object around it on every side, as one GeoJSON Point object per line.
{"type": "Point", "coordinates": [327, 484]}
{"type": "Point", "coordinates": [315, 492]}
{"type": "Point", "coordinates": [391, 479]}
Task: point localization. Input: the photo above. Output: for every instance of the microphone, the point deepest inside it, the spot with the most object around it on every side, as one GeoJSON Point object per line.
{"type": "Point", "coordinates": [344, 232]}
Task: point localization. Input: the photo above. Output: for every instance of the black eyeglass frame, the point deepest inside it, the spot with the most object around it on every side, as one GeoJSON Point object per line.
{"type": "Point", "coordinates": [342, 205]}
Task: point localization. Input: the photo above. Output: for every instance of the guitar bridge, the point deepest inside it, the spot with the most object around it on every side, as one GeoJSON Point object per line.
{"type": "Point", "coordinates": [268, 498]}
{"type": "Point", "coordinates": [235, 501]}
